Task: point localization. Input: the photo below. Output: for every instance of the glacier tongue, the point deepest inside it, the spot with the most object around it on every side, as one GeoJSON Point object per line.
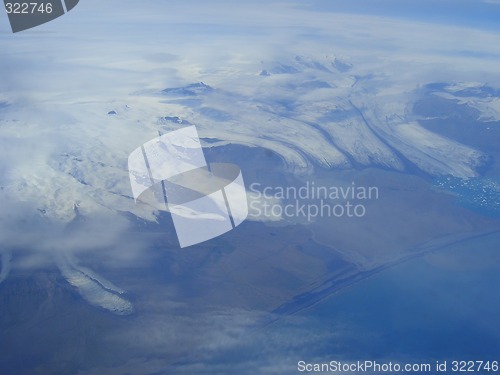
{"type": "Point", "coordinates": [93, 288]}
{"type": "Point", "coordinates": [430, 152]}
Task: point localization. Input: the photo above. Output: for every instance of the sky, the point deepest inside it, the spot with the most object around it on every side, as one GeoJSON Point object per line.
{"type": "Point", "coordinates": [483, 14]}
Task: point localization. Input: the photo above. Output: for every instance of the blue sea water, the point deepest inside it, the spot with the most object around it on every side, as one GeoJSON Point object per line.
{"type": "Point", "coordinates": [443, 306]}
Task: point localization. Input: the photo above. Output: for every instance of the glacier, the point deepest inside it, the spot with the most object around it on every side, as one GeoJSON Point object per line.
{"type": "Point", "coordinates": [344, 120]}
{"type": "Point", "coordinates": [95, 289]}
{"type": "Point", "coordinates": [340, 121]}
